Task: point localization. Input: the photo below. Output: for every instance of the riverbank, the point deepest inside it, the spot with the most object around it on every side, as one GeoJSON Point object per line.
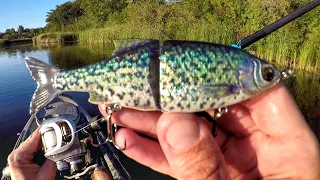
{"type": "Point", "coordinates": [56, 37]}
{"type": "Point", "coordinates": [101, 36]}
{"type": "Point", "coordinates": [5, 42]}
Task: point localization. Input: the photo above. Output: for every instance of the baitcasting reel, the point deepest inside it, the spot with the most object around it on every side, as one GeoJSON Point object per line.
{"type": "Point", "coordinates": [62, 145]}
{"type": "Point", "coordinates": [72, 139]}
{"type": "Point", "coordinates": [76, 142]}
{"type": "Point", "coordinates": [61, 141]}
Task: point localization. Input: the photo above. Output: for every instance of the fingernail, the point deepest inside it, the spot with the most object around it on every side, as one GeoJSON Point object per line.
{"type": "Point", "coordinates": [120, 142]}
{"type": "Point", "coordinates": [122, 145]}
{"type": "Point", "coordinates": [183, 134]}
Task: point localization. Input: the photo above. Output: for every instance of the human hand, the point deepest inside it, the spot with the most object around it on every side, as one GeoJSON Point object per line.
{"type": "Point", "coordinates": [21, 166]}
{"type": "Point", "coordinates": [265, 137]}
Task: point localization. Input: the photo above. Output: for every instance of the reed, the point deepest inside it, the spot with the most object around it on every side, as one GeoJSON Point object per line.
{"type": "Point", "coordinates": [278, 48]}
{"type": "Point", "coordinates": [299, 54]}
{"type": "Point", "coordinates": [5, 42]}
{"type": "Point", "coordinates": [304, 89]}
{"type": "Point", "coordinates": [108, 34]}
{"type": "Point", "coordinates": [56, 37]}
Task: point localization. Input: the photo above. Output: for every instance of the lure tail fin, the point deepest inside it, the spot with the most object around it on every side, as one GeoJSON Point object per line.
{"type": "Point", "coordinates": [44, 75]}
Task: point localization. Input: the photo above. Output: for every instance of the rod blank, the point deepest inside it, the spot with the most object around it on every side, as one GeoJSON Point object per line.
{"type": "Point", "coordinates": [278, 24]}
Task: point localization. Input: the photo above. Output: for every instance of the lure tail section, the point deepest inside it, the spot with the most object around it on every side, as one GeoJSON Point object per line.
{"type": "Point", "coordinates": [44, 75]}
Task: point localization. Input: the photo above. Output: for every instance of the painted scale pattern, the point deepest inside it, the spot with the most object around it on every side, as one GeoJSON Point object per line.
{"type": "Point", "coordinates": [194, 76]}
{"type": "Point", "coordinates": [129, 78]}
{"type": "Point", "coordinates": [180, 76]}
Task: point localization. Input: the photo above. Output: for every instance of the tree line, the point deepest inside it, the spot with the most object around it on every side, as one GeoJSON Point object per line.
{"type": "Point", "coordinates": [235, 18]}
{"type": "Point", "coordinates": [20, 33]}
{"type": "Point", "coordinates": [217, 21]}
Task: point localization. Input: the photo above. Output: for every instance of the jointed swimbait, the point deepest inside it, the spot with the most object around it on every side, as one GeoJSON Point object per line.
{"type": "Point", "coordinates": [179, 76]}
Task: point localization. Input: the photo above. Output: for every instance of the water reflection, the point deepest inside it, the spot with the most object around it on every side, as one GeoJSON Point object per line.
{"type": "Point", "coordinates": [17, 51]}
{"type": "Point", "coordinates": [71, 56]}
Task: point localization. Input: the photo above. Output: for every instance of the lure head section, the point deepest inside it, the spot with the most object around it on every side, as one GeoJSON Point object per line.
{"type": "Point", "coordinates": [256, 75]}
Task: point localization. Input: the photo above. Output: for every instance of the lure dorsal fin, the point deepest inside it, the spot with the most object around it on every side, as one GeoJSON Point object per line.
{"type": "Point", "coordinates": [120, 45]}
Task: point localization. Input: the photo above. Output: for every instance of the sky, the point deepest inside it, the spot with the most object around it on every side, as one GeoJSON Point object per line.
{"type": "Point", "coordinates": [28, 13]}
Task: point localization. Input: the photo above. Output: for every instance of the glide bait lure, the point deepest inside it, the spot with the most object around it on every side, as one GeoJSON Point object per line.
{"type": "Point", "coordinates": [178, 76]}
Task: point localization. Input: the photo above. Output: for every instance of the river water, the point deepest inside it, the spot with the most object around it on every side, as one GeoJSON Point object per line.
{"type": "Point", "coordinates": [17, 88]}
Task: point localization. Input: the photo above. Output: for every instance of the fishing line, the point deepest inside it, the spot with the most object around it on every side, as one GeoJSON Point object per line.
{"type": "Point", "coordinates": [85, 127]}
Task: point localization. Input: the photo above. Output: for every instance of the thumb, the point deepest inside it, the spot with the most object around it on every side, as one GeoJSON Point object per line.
{"type": "Point", "coordinates": [190, 148]}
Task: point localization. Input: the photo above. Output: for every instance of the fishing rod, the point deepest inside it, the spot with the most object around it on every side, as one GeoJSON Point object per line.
{"type": "Point", "coordinates": [256, 37]}
{"type": "Point", "coordinates": [276, 25]}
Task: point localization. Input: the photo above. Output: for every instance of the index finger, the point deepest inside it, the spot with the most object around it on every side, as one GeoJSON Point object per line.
{"type": "Point", "coordinates": [25, 152]}
{"type": "Point", "coordinates": [31, 144]}
{"type": "Point", "coordinates": [276, 113]}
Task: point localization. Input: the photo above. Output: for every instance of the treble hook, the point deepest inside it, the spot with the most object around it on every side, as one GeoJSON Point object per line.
{"type": "Point", "coordinates": [113, 128]}
{"type": "Point", "coordinates": [220, 112]}
{"type": "Point", "coordinates": [214, 119]}
{"type": "Point", "coordinates": [287, 73]}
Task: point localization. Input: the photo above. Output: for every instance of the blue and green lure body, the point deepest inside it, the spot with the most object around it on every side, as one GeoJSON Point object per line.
{"type": "Point", "coordinates": [177, 76]}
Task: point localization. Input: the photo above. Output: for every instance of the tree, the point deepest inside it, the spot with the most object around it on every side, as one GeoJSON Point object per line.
{"type": "Point", "coordinates": [100, 10]}
{"type": "Point", "coordinates": [32, 31]}
{"type": "Point", "coordinates": [20, 29]}
{"type": "Point", "coordinates": [12, 31]}
{"type": "Point", "coordinates": [21, 33]}
{"type": "Point", "coordinates": [7, 36]}
{"type": "Point", "coordinates": [63, 15]}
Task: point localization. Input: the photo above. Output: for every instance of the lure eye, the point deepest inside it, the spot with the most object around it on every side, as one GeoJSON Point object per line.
{"type": "Point", "coordinates": [268, 74]}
